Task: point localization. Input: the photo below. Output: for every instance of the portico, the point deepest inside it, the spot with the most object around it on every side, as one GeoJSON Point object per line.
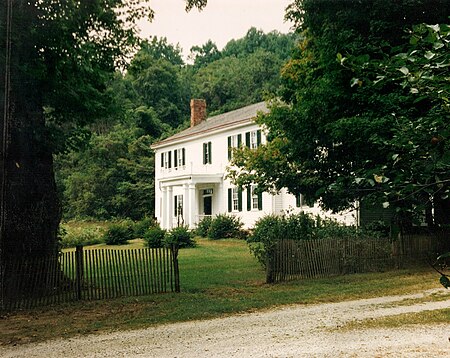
{"type": "Point", "coordinates": [187, 199]}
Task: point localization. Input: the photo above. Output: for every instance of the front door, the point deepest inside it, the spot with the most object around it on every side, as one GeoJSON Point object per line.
{"type": "Point", "coordinates": [207, 205]}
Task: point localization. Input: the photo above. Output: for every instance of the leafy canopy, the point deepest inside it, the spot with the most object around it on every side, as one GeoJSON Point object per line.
{"type": "Point", "coordinates": [335, 137]}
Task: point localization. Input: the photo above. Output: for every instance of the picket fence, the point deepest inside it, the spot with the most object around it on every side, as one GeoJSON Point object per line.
{"type": "Point", "coordinates": [92, 274]}
{"type": "Point", "coordinates": [298, 259]}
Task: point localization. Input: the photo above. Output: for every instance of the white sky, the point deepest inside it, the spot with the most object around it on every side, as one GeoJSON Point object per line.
{"type": "Point", "coordinates": [220, 21]}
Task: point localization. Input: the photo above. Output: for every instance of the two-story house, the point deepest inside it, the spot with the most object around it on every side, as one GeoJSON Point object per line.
{"type": "Point", "coordinates": [190, 173]}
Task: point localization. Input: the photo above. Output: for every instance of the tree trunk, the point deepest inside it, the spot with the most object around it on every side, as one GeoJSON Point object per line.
{"type": "Point", "coordinates": [31, 211]}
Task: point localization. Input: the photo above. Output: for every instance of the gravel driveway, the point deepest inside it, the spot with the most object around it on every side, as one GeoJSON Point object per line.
{"type": "Point", "coordinates": [292, 331]}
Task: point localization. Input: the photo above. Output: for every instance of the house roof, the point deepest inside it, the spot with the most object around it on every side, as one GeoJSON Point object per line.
{"type": "Point", "coordinates": [221, 121]}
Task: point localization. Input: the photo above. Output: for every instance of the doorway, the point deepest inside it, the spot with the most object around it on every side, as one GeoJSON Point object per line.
{"type": "Point", "coordinates": [207, 205]}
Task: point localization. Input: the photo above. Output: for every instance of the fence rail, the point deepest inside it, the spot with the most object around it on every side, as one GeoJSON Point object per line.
{"type": "Point", "coordinates": [89, 275]}
{"type": "Point", "coordinates": [297, 259]}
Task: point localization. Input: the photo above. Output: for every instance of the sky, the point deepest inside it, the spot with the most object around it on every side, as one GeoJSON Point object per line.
{"type": "Point", "coordinates": [220, 21]}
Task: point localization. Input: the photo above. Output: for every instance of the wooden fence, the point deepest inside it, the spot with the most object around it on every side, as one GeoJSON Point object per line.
{"type": "Point", "coordinates": [89, 275]}
{"type": "Point", "coordinates": [297, 259]}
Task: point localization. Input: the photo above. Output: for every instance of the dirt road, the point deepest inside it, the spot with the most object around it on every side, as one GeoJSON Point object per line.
{"type": "Point", "coordinates": [292, 331]}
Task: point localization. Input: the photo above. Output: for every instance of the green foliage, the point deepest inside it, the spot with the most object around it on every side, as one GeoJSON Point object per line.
{"type": "Point", "coordinates": [245, 72]}
{"type": "Point", "coordinates": [418, 144]}
{"type": "Point", "coordinates": [205, 54]}
{"type": "Point", "coordinates": [224, 226]}
{"type": "Point", "coordinates": [203, 226]}
{"type": "Point", "coordinates": [84, 236]}
{"type": "Point", "coordinates": [141, 227]}
{"type": "Point", "coordinates": [180, 236]}
{"type": "Point", "coordinates": [272, 228]}
{"type": "Point", "coordinates": [118, 234]}
{"type": "Point", "coordinates": [154, 236]}
{"type": "Point", "coordinates": [338, 138]}
{"type": "Point", "coordinates": [445, 281]}
{"type": "Point", "coordinates": [112, 177]}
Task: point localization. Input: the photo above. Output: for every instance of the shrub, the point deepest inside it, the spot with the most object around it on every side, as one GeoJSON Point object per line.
{"type": "Point", "coordinates": [203, 226]}
{"type": "Point", "coordinates": [269, 229]}
{"type": "Point", "coordinates": [118, 234]}
{"type": "Point", "coordinates": [154, 237]}
{"type": "Point", "coordinates": [224, 226]}
{"type": "Point", "coordinates": [85, 236]}
{"type": "Point", "coordinates": [180, 236]}
{"type": "Point", "coordinates": [141, 227]}
{"type": "Point", "coordinates": [265, 234]}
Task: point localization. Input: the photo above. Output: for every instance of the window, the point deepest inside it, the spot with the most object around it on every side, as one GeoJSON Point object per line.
{"type": "Point", "coordinates": [207, 153]}
{"type": "Point", "coordinates": [253, 139]}
{"type": "Point", "coordinates": [300, 201]}
{"type": "Point", "coordinates": [179, 159]}
{"type": "Point", "coordinates": [254, 199]}
{"type": "Point", "coordinates": [234, 199]}
{"type": "Point", "coordinates": [178, 208]}
{"type": "Point", "coordinates": [166, 160]}
{"type": "Point", "coordinates": [234, 141]}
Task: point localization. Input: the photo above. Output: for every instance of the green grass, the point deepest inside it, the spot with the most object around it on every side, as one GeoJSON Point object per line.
{"type": "Point", "coordinates": [441, 316]}
{"type": "Point", "coordinates": [217, 278]}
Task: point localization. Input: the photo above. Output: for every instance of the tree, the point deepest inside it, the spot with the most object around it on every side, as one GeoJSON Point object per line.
{"type": "Point", "coordinates": [417, 167]}
{"type": "Point", "coordinates": [327, 133]}
{"type": "Point", "coordinates": [256, 40]}
{"type": "Point", "coordinates": [111, 177]}
{"type": "Point", "coordinates": [205, 54]}
{"type": "Point", "coordinates": [59, 56]}
{"type": "Point", "coordinates": [245, 72]}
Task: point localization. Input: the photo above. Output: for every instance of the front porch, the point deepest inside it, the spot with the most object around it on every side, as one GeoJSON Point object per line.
{"type": "Point", "coordinates": [186, 200]}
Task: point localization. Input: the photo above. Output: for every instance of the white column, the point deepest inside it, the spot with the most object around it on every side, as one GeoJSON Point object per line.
{"type": "Point", "coordinates": [169, 207]}
{"type": "Point", "coordinates": [218, 197]}
{"type": "Point", "coordinates": [162, 208]}
{"type": "Point", "coordinates": [187, 205]}
{"type": "Point", "coordinates": [193, 207]}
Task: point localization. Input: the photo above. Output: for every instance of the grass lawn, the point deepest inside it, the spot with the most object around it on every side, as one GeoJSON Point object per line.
{"type": "Point", "coordinates": [217, 278]}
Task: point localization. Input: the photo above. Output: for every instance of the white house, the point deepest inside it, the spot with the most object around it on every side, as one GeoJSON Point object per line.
{"type": "Point", "coordinates": [190, 173]}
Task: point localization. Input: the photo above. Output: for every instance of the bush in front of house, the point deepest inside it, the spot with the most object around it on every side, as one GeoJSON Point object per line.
{"type": "Point", "coordinates": [154, 237]}
{"type": "Point", "coordinates": [141, 227]}
{"type": "Point", "coordinates": [180, 236]}
{"type": "Point", "coordinates": [70, 237]}
{"type": "Point", "coordinates": [271, 228]}
{"type": "Point", "coordinates": [224, 226]}
{"type": "Point", "coordinates": [265, 234]}
{"type": "Point", "coordinates": [203, 226]}
{"type": "Point", "coordinates": [119, 234]}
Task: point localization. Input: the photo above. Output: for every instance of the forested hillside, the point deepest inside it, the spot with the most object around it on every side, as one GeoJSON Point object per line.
{"type": "Point", "coordinates": [108, 171]}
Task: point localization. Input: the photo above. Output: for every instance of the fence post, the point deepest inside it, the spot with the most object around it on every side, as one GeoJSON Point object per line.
{"type": "Point", "coordinates": [176, 270]}
{"type": "Point", "coordinates": [79, 270]}
{"type": "Point", "coordinates": [269, 265]}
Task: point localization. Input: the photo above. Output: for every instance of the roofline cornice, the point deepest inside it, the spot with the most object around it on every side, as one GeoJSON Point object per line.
{"type": "Point", "coordinates": [219, 128]}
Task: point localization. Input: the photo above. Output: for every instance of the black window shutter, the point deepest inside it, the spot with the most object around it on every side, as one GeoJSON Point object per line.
{"type": "Point", "coordinates": [230, 201]}
{"type": "Point", "coordinates": [175, 204]}
{"type": "Point", "coordinates": [260, 201]}
{"type": "Point", "coordinates": [258, 137]}
{"type": "Point", "coordinates": [298, 201]}
{"type": "Point", "coordinates": [162, 160]}
{"type": "Point", "coordinates": [229, 147]}
{"type": "Point", "coordinates": [249, 198]}
{"type": "Point", "coordinates": [204, 153]}
{"type": "Point", "coordinates": [184, 156]}
{"type": "Point", "coordinates": [175, 158]}
{"type": "Point", "coordinates": [209, 153]}
{"type": "Point", "coordinates": [239, 140]}
{"type": "Point", "coordinates": [170, 159]}
{"type": "Point", "coordinates": [247, 139]}
{"type": "Point", "coordinates": [240, 199]}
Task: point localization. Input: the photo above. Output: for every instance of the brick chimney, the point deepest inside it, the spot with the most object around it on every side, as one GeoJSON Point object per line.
{"type": "Point", "coordinates": [198, 111]}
